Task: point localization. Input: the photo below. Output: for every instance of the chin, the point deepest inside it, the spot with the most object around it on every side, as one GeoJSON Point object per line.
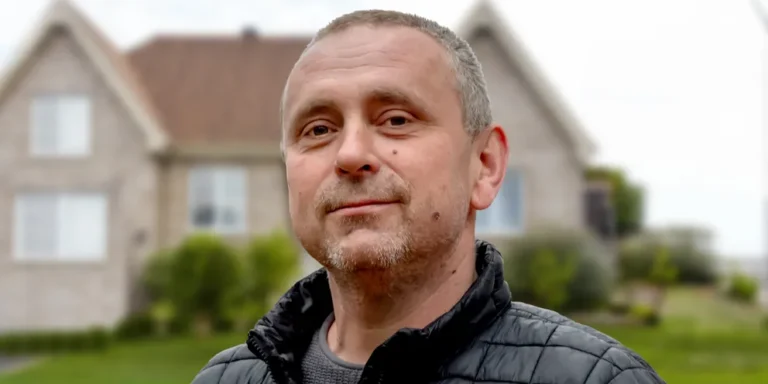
{"type": "Point", "coordinates": [366, 249]}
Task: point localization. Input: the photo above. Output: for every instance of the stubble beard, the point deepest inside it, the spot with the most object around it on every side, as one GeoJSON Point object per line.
{"type": "Point", "coordinates": [389, 249]}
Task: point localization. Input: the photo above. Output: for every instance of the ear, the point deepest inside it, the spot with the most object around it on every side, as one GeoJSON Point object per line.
{"type": "Point", "coordinates": [490, 156]}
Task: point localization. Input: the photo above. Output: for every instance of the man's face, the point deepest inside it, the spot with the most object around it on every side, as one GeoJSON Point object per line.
{"type": "Point", "coordinates": [377, 158]}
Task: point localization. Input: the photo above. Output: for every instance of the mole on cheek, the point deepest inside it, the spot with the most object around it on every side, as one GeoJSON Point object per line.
{"type": "Point", "coordinates": [436, 216]}
{"type": "Point", "coordinates": [394, 151]}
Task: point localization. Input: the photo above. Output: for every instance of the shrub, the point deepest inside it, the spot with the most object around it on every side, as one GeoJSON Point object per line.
{"type": "Point", "coordinates": [271, 264]}
{"type": "Point", "coordinates": [204, 276]}
{"type": "Point", "coordinates": [45, 342]}
{"type": "Point", "coordinates": [162, 313]}
{"type": "Point", "coordinates": [618, 308]}
{"type": "Point", "coordinates": [694, 266]}
{"type": "Point", "coordinates": [649, 262]}
{"type": "Point", "coordinates": [559, 269]}
{"type": "Point", "coordinates": [157, 275]}
{"type": "Point", "coordinates": [646, 314]}
{"type": "Point", "coordinates": [743, 288]}
{"type": "Point", "coordinates": [135, 326]}
{"type": "Point", "coordinates": [638, 256]}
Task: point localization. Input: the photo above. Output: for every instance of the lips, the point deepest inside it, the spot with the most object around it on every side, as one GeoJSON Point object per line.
{"type": "Point", "coordinates": [361, 204]}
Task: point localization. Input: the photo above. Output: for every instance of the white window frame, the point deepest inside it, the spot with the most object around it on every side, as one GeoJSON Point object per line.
{"type": "Point", "coordinates": [61, 148]}
{"type": "Point", "coordinates": [239, 203]}
{"type": "Point", "coordinates": [65, 222]}
{"type": "Point", "coordinates": [494, 208]}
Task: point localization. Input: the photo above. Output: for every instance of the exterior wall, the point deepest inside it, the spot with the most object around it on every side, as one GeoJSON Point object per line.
{"type": "Point", "coordinates": [49, 295]}
{"type": "Point", "coordinates": [266, 200]}
{"type": "Point", "coordinates": [552, 178]}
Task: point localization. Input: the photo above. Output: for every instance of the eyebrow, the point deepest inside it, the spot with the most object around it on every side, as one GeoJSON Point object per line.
{"type": "Point", "coordinates": [394, 96]}
{"type": "Point", "coordinates": [314, 107]}
{"type": "Point", "coordinates": [376, 96]}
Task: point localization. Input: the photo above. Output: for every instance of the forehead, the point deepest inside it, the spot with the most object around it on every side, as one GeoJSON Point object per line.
{"type": "Point", "coordinates": [364, 59]}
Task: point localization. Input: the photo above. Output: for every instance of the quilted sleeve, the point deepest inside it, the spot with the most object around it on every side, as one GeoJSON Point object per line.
{"type": "Point", "coordinates": [236, 365]}
{"type": "Point", "coordinates": [636, 376]}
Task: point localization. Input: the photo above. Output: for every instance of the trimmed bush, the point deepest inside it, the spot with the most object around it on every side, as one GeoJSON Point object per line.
{"type": "Point", "coordinates": [743, 288]}
{"type": "Point", "coordinates": [271, 264]}
{"type": "Point", "coordinates": [648, 262]}
{"type": "Point", "coordinates": [47, 342]}
{"type": "Point", "coordinates": [687, 264]}
{"type": "Point", "coordinates": [136, 326]}
{"type": "Point", "coordinates": [559, 269]}
{"type": "Point", "coordinates": [205, 276]}
{"type": "Point", "coordinates": [646, 314]}
{"type": "Point", "coordinates": [157, 274]}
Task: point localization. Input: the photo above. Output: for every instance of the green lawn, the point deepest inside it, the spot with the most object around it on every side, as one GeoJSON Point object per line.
{"type": "Point", "coordinates": [704, 358]}
{"type": "Point", "coordinates": [704, 340]}
{"type": "Point", "coordinates": [153, 362]}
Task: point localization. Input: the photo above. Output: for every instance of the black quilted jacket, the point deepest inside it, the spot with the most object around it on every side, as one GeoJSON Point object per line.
{"type": "Point", "coordinates": [485, 338]}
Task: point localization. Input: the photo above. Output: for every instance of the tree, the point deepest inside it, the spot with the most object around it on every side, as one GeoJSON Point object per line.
{"type": "Point", "coordinates": [626, 197]}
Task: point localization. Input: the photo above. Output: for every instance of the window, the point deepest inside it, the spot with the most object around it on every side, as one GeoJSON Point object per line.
{"type": "Point", "coordinates": [61, 125]}
{"type": "Point", "coordinates": [505, 215]}
{"type": "Point", "coordinates": [217, 199]}
{"type": "Point", "coordinates": [61, 226]}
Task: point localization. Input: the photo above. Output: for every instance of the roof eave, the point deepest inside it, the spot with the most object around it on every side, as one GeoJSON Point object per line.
{"type": "Point", "coordinates": [484, 14]}
{"type": "Point", "coordinates": [63, 14]}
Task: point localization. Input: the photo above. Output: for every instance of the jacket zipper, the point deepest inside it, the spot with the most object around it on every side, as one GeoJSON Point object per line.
{"type": "Point", "coordinates": [263, 356]}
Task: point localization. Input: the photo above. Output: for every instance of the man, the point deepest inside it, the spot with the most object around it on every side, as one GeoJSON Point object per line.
{"type": "Point", "coordinates": [389, 152]}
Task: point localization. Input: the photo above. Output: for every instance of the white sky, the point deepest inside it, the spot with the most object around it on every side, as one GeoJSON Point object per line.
{"type": "Point", "coordinates": [669, 89]}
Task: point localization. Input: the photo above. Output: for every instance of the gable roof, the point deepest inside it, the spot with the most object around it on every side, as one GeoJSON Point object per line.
{"type": "Point", "coordinates": [483, 14]}
{"type": "Point", "coordinates": [104, 56]}
{"type": "Point", "coordinates": [218, 90]}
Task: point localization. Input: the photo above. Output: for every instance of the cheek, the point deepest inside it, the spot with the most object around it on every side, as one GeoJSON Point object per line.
{"type": "Point", "coordinates": [433, 175]}
{"type": "Point", "coordinates": [302, 183]}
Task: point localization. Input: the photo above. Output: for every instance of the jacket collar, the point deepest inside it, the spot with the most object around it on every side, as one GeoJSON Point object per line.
{"type": "Point", "coordinates": [282, 335]}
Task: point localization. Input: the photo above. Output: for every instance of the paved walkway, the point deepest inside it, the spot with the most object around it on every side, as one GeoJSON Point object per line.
{"type": "Point", "coordinates": [10, 364]}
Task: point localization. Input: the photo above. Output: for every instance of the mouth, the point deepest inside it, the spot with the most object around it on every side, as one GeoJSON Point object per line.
{"type": "Point", "coordinates": [361, 207]}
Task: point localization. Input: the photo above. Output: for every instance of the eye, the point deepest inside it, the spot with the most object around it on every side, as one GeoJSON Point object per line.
{"type": "Point", "coordinates": [395, 118]}
{"type": "Point", "coordinates": [397, 121]}
{"type": "Point", "coordinates": [318, 130]}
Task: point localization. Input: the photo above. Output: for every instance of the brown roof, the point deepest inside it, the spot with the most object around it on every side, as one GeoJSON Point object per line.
{"type": "Point", "coordinates": [217, 90]}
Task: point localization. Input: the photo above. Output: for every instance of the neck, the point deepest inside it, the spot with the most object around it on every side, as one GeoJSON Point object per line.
{"type": "Point", "coordinates": [371, 306]}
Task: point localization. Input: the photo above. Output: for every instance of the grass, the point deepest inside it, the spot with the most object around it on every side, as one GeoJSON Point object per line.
{"type": "Point", "coordinates": [147, 362]}
{"type": "Point", "coordinates": [700, 357]}
{"type": "Point", "coordinates": [704, 340]}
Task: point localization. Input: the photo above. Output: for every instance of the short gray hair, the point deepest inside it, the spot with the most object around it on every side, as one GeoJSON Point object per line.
{"type": "Point", "coordinates": [470, 82]}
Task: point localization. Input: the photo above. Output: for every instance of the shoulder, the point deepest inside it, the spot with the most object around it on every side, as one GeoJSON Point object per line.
{"type": "Point", "coordinates": [233, 366]}
{"type": "Point", "coordinates": [528, 344]}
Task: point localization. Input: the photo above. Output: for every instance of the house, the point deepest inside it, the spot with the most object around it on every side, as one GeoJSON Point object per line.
{"type": "Point", "coordinates": [107, 156]}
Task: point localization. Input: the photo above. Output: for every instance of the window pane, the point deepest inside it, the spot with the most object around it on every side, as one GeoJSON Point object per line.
{"type": "Point", "coordinates": [201, 198]}
{"type": "Point", "coordinates": [506, 212]}
{"type": "Point", "coordinates": [218, 198]}
{"type": "Point", "coordinates": [44, 130]}
{"type": "Point", "coordinates": [483, 220]}
{"type": "Point", "coordinates": [83, 223]}
{"type": "Point", "coordinates": [61, 125]}
{"type": "Point", "coordinates": [74, 115]}
{"type": "Point", "coordinates": [36, 226]}
{"type": "Point", "coordinates": [513, 201]}
{"type": "Point", "coordinates": [230, 199]}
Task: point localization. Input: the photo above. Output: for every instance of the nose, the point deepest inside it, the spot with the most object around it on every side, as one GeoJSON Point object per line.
{"type": "Point", "coordinates": [356, 156]}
